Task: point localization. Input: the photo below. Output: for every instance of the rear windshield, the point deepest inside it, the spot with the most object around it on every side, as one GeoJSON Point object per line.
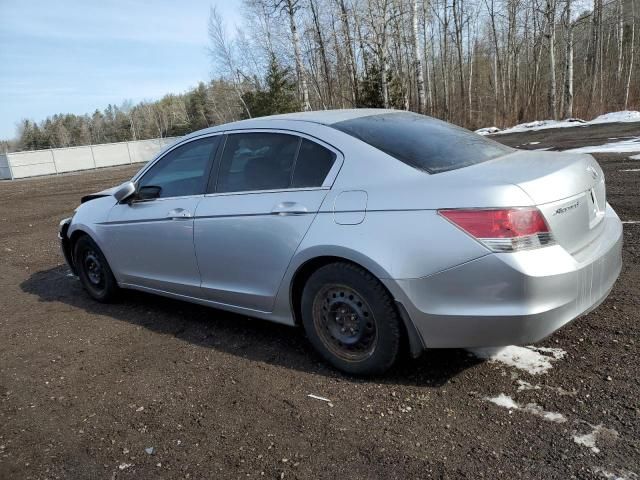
{"type": "Point", "coordinates": [422, 142]}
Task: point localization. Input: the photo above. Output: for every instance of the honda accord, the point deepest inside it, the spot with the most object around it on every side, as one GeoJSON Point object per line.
{"type": "Point", "coordinates": [378, 231]}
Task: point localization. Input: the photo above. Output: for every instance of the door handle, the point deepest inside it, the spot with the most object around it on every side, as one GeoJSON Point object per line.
{"type": "Point", "coordinates": [179, 214]}
{"type": "Point", "coordinates": [289, 208]}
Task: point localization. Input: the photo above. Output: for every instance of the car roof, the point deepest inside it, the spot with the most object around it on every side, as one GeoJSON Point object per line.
{"type": "Point", "coordinates": [328, 117]}
{"type": "Point", "coordinates": [324, 117]}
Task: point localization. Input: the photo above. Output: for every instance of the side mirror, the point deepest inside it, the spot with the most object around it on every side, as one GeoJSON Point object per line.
{"type": "Point", "coordinates": [124, 191]}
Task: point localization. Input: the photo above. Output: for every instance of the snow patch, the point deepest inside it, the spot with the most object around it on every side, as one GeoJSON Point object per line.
{"type": "Point", "coordinates": [631, 221]}
{"type": "Point", "coordinates": [522, 385]}
{"type": "Point", "coordinates": [629, 145]}
{"type": "Point", "coordinates": [505, 401]}
{"type": "Point", "coordinates": [631, 169]}
{"type": "Point", "coordinates": [487, 130]}
{"type": "Point", "coordinates": [623, 116]}
{"type": "Point", "coordinates": [534, 360]}
{"type": "Point", "coordinates": [618, 475]}
{"type": "Point", "coordinates": [590, 439]}
{"type": "Point", "coordinates": [557, 353]}
{"type": "Point", "coordinates": [635, 157]}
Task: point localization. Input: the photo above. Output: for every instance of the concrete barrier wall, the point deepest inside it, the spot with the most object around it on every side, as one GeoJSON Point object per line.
{"type": "Point", "coordinates": [113, 154]}
{"type": "Point", "coordinates": [61, 160]}
{"type": "Point", "coordinates": [72, 159]}
{"type": "Point", "coordinates": [5, 172]}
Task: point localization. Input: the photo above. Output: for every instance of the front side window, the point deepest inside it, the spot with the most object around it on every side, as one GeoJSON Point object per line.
{"type": "Point", "coordinates": [257, 161]}
{"type": "Point", "coordinates": [422, 142]}
{"type": "Point", "coordinates": [183, 171]}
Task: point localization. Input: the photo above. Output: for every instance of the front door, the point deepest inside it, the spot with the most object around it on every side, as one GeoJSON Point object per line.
{"type": "Point", "coordinates": [269, 188]}
{"type": "Point", "coordinates": [150, 239]}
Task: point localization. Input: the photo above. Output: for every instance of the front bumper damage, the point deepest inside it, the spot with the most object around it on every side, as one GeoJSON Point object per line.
{"type": "Point", "coordinates": [65, 243]}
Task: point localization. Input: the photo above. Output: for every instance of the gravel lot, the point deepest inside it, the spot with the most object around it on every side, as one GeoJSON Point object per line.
{"type": "Point", "coordinates": [156, 388]}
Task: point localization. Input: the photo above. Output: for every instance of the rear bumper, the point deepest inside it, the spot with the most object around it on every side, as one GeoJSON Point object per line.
{"type": "Point", "coordinates": [512, 298]}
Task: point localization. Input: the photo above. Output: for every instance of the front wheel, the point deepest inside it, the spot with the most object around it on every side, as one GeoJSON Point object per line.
{"type": "Point", "coordinates": [94, 271]}
{"type": "Point", "coordinates": [350, 319]}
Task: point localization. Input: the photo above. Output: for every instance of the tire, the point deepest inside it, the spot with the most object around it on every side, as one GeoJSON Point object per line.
{"type": "Point", "coordinates": [94, 271]}
{"type": "Point", "coordinates": [351, 319]}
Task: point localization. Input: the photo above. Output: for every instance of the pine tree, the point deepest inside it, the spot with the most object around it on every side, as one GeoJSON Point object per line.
{"type": "Point", "coordinates": [279, 95]}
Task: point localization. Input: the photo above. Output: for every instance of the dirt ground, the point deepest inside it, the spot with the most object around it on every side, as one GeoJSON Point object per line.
{"type": "Point", "coordinates": [156, 388]}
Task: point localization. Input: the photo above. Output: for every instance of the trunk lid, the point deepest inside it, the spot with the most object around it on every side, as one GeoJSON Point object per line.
{"type": "Point", "coordinates": [568, 188]}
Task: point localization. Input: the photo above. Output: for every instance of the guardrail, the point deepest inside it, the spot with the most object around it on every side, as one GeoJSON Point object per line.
{"type": "Point", "coordinates": [61, 160]}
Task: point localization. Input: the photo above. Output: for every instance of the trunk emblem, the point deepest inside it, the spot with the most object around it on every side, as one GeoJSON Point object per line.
{"type": "Point", "coordinates": [592, 171]}
{"type": "Point", "coordinates": [562, 210]}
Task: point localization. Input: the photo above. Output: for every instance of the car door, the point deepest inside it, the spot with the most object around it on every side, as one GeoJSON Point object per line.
{"type": "Point", "coordinates": [150, 238]}
{"type": "Point", "coordinates": [268, 190]}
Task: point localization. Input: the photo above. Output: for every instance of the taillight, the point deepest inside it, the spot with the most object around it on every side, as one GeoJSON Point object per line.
{"type": "Point", "coordinates": [503, 230]}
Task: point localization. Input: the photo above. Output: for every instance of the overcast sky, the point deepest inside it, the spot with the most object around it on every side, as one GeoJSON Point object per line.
{"type": "Point", "coordinates": [59, 56]}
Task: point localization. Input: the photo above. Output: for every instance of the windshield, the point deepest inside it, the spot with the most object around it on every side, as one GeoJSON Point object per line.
{"type": "Point", "coordinates": [422, 142]}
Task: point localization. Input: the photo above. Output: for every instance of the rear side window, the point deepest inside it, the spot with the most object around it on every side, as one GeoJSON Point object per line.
{"type": "Point", "coordinates": [422, 142]}
{"type": "Point", "coordinates": [183, 171]}
{"type": "Point", "coordinates": [312, 166]}
{"type": "Point", "coordinates": [257, 161]}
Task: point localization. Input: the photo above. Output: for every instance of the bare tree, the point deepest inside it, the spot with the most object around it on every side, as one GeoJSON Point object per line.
{"type": "Point", "coordinates": [568, 63]}
{"type": "Point", "coordinates": [550, 16]}
{"type": "Point", "coordinates": [222, 54]}
{"type": "Point", "coordinates": [290, 7]}
{"type": "Point", "coordinates": [417, 58]}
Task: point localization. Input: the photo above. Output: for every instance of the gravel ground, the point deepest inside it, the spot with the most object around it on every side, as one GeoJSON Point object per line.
{"type": "Point", "coordinates": [156, 388]}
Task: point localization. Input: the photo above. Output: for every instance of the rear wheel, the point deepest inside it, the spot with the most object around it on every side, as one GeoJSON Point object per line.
{"type": "Point", "coordinates": [94, 272]}
{"type": "Point", "coordinates": [350, 319]}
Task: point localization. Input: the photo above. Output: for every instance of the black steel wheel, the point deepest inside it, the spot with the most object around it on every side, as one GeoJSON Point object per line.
{"type": "Point", "coordinates": [350, 318]}
{"type": "Point", "coordinates": [344, 322]}
{"type": "Point", "coordinates": [94, 271]}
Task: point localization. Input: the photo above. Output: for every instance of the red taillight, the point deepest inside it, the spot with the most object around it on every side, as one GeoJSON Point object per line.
{"type": "Point", "coordinates": [503, 230]}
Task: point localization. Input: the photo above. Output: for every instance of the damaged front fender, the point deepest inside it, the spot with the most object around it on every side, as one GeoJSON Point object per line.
{"type": "Point", "coordinates": [65, 243]}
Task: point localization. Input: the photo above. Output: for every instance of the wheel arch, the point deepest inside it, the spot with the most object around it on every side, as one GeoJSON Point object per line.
{"type": "Point", "coordinates": [311, 265]}
{"type": "Point", "coordinates": [79, 230]}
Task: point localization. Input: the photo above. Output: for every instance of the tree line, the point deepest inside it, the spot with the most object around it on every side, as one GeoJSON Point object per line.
{"type": "Point", "coordinates": [471, 62]}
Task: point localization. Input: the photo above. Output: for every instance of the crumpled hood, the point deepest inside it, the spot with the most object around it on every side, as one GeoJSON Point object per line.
{"type": "Point", "coordinates": [103, 193]}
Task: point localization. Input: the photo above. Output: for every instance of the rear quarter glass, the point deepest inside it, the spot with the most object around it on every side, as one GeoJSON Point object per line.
{"type": "Point", "coordinates": [423, 142]}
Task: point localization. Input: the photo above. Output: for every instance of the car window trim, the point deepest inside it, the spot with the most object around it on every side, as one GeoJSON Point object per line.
{"type": "Point", "coordinates": [181, 197]}
{"type": "Point", "coordinates": [326, 184]}
{"type": "Point", "coordinates": [206, 174]}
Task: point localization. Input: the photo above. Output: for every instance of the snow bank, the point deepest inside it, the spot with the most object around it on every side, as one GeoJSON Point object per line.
{"type": "Point", "coordinates": [623, 116]}
{"type": "Point", "coordinates": [534, 360]}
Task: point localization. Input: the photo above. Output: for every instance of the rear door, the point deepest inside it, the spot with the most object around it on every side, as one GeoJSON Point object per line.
{"type": "Point", "coordinates": [268, 188]}
{"type": "Point", "coordinates": [150, 241]}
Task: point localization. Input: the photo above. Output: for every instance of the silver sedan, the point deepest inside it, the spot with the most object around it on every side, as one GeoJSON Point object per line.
{"type": "Point", "coordinates": [372, 229]}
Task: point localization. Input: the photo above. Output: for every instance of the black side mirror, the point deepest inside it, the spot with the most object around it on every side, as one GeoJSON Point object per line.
{"type": "Point", "coordinates": [148, 192]}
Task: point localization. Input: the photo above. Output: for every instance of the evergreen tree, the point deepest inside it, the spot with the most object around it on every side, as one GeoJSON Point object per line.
{"type": "Point", "coordinates": [279, 95]}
